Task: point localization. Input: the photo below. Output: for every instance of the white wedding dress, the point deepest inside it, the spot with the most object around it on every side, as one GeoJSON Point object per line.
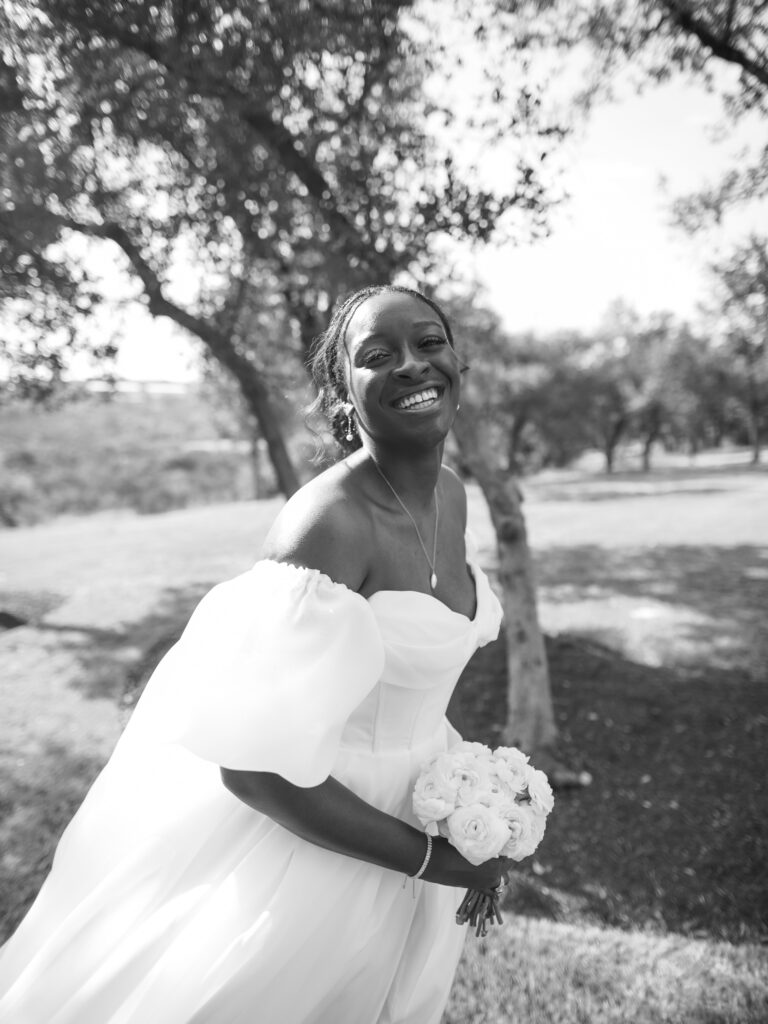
{"type": "Point", "coordinates": [172, 902]}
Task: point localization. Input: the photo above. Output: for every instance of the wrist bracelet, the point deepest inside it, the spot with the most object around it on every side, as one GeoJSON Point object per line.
{"type": "Point", "coordinates": [427, 855]}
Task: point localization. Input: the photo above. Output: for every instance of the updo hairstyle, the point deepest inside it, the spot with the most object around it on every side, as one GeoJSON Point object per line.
{"type": "Point", "coordinates": [328, 358]}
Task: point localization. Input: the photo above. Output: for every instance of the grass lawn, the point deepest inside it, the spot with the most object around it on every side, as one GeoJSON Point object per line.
{"type": "Point", "coordinates": [540, 972]}
{"type": "Point", "coordinates": [647, 901]}
{"type": "Point", "coordinates": [647, 898]}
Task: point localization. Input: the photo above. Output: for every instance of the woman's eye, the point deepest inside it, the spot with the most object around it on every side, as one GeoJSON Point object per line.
{"type": "Point", "coordinates": [433, 341]}
{"type": "Point", "coordinates": [374, 357]}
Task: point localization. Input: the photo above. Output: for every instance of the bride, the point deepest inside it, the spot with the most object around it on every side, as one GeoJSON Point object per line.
{"type": "Point", "coordinates": [241, 859]}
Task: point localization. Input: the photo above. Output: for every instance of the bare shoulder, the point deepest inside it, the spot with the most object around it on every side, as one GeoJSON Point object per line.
{"type": "Point", "coordinates": [323, 526]}
{"type": "Point", "coordinates": [455, 492]}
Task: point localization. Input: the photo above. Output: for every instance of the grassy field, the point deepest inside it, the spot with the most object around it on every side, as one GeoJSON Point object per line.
{"type": "Point", "coordinates": [646, 900]}
{"type": "Point", "coordinates": [146, 452]}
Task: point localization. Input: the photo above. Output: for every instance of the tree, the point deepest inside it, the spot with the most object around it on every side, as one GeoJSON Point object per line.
{"type": "Point", "coordinates": [698, 382]}
{"type": "Point", "coordinates": [281, 148]}
{"type": "Point", "coordinates": [283, 151]}
{"type": "Point", "coordinates": [480, 439]}
{"type": "Point", "coordinates": [742, 281]}
{"type": "Point", "coordinates": [654, 40]}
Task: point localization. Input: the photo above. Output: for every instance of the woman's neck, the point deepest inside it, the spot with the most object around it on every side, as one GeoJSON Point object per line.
{"type": "Point", "coordinates": [413, 476]}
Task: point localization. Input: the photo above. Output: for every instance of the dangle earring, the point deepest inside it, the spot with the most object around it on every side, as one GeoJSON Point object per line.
{"type": "Point", "coordinates": [349, 409]}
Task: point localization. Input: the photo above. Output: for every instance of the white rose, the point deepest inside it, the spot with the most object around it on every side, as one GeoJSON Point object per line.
{"type": "Point", "coordinates": [473, 781]}
{"type": "Point", "coordinates": [467, 747]}
{"type": "Point", "coordinates": [539, 790]}
{"type": "Point", "coordinates": [429, 801]}
{"type": "Point", "coordinates": [459, 777]}
{"type": "Point", "coordinates": [511, 771]}
{"type": "Point", "coordinates": [494, 791]}
{"type": "Point", "coordinates": [525, 830]}
{"type": "Point", "coordinates": [477, 832]}
{"type": "Point", "coordinates": [442, 771]}
{"type": "Point", "coordinates": [512, 755]}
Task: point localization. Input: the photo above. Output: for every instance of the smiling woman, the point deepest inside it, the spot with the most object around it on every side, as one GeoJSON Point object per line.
{"type": "Point", "coordinates": [254, 823]}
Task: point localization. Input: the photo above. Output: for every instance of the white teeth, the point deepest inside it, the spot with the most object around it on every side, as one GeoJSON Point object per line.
{"type": "Point", "coordinates": [427, 396]}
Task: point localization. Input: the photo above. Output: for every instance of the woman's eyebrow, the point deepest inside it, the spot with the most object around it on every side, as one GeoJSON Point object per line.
{"type": "Point", "coordinates": [374, 335]}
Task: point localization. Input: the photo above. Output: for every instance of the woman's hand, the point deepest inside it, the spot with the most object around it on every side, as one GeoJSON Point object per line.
{"type": "Point", "coordinates": [448, 867]}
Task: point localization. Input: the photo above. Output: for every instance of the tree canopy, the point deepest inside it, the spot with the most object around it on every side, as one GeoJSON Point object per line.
{"type": "Point", "coordinates": [653, 41]}
{"type": "Point", "coordinates": [278, 153]}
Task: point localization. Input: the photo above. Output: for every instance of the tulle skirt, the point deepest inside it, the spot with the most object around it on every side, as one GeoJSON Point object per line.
{"type": "Point", "coordinates": [171, 902]}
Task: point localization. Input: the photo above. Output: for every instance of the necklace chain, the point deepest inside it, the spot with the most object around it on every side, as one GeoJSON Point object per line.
{"type": "Point", "coordinates": [430, 562]}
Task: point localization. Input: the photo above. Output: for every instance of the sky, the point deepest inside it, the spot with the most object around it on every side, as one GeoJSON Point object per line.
{"type": "Point", "coordinates": [614, 237]}
{"type": "Point", "coordinates": [611, 239]}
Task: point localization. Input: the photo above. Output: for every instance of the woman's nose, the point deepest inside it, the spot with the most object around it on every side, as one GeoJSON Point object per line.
{"type": "Point", "coordinates": [412, 365]}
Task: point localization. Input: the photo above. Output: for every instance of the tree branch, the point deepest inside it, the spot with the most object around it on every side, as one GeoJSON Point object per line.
{"type": "Point", "coordinates": [720, 47]}
{"type": "Point", "coordinates": [272, 133]}
{"type": "Point", "coordinates": [218, 341]}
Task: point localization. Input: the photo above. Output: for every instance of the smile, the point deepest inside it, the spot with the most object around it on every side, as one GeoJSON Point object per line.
{"type": "Point", "coordinates": [418, 399]}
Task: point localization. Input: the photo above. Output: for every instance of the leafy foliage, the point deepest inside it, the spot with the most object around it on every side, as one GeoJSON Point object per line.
{"type": "Point", "coordinates": [548, 399]}
{"type": "Point", "coordinates": [653, 41]}
{"type": "Point", "coordinates": [742, 281]}
{"type": "Point", "coordinates": [282, 149]}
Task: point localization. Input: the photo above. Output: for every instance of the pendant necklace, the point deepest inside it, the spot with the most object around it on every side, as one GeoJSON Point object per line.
{"type": "Point", "coordinates": [430, 562]}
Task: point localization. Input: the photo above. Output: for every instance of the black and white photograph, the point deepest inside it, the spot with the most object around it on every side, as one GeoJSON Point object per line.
{"type": "Point", "coordinates": [383, 512]}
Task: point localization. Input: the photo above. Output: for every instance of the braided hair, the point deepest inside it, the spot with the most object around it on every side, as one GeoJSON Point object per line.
{"type": "Point", "coordinates": [328, 357]}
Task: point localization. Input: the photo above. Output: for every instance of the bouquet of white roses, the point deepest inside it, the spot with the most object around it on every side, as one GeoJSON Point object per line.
{"type": "Point", "coordinates": [487, 803]}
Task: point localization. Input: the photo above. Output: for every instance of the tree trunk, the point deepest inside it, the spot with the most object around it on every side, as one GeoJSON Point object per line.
{"type": "Point", "coordinates": [254, 444]}
{"type": "Point", "coordinates": [756, 448]}
{"type": "Point", "coordinates": [751, 419]}
{"type": "Point", "coordinates": [653, 429]}
{"type": "Point", "coordinates": [217, 340]}
{"type": "Point", "coordinates": [530, 722]}
{"type": "Point", "coordinates": [611, 442]}
{"type": "Point", "coordinates": [513, 454]}
{"type": "Point", "coordinates": [648, 444]}
{"type": "Point", "coordinates": [258, 402]}
{"type": "Point", "coordinates": [252, 388]}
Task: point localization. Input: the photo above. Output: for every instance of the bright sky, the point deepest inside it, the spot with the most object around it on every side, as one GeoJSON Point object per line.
{"type": "Point", "coordinates": [612, 239]}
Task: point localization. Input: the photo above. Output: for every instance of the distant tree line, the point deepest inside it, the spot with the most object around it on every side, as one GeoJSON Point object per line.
{"type": "Point", "coordinates": [647, 381]}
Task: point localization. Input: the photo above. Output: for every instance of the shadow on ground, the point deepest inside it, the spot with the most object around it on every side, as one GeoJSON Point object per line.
{"type": "Point", "coordinates": [113, 661]}
{"type": "Point", "coordinates": [36, 803]}
{"type": "Point", "coordinates": [689, 606]}
{"type": "Point", "coordinates": [660, 482]}
{"type": "Point", "coordinates": [672, 832]}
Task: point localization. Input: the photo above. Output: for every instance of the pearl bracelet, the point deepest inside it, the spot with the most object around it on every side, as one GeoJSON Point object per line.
{"type": "Point", "coordinates": [427, 855]}
{"type": "Point", "coordinates": [422, 869]}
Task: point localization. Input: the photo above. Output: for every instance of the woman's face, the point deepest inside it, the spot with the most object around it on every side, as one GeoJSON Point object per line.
{"type": "Point", "coordinates": [402, 374]}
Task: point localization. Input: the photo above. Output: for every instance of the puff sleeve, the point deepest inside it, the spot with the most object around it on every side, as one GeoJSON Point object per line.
{"type": "Point", "coordinates": [267, 672]}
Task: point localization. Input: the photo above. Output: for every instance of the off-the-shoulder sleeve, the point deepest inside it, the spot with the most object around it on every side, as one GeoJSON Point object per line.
{"type": "Point", "coordinates": [267, 672]}
{"type": "Point", "coordinates": [488, 622]}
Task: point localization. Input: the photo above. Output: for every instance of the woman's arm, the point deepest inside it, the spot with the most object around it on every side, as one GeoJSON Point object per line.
{"type": "Point", "coordinates": [335, 818]}
{"type": "Point", "coordinates": [321, 528]}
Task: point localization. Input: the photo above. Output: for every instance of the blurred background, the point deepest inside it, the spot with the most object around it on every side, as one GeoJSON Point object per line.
{"type": "Point", "coordinates": [186, 189]}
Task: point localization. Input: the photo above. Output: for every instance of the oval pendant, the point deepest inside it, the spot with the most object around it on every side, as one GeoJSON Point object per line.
{"type": "Point", "coordinates": [433, 580]}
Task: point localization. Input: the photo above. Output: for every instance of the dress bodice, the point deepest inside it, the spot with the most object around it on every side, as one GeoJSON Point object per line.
{"type": "Point", "coordinates": [281, 669]}
{"type": "Point", "coordinates": [426, 647]}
